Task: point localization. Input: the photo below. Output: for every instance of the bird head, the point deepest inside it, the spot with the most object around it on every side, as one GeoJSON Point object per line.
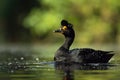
{"type": "Point", "coordinates": [66, 29]}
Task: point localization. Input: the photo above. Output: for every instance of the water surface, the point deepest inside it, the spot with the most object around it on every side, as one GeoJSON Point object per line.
{"type": "Point", "coordinates": [29, 64]}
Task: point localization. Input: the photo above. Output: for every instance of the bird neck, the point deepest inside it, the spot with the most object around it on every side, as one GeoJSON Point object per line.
{"type": "Point", "coordinates": [67, 43]}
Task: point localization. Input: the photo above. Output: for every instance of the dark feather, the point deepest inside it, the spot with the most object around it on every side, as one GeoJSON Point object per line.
{"type": "Point", "coordinates": [88, 55]}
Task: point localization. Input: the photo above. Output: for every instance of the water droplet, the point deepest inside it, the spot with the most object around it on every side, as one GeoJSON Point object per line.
{"type": "Point", "coordinates": [22, 58]}
{"type": "Point", "coordinates": [37, 59]}
{"type": "Point", "coordinates": [12, 71]}
{"type": "Point", "coordinates": [9, 63]}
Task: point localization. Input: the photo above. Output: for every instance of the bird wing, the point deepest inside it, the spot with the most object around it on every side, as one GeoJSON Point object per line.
{"type": "Point", "coordinates": [88, 55]}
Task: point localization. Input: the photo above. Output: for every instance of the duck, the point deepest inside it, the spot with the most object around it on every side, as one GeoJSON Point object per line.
{"type": "Point", "coordinates": [78, 55]}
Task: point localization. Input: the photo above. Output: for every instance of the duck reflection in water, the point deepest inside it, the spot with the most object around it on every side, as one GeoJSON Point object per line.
{"type": "Point", "coordinates": [69, 68]}
{"type": "Point", "coordinates": [68, 71]}
{"type": "Point", "coordinates": [83, 58]}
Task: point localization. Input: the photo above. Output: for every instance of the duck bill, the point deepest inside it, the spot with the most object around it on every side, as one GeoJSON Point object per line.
{"type": "Point", "coordinates": [57, 31]}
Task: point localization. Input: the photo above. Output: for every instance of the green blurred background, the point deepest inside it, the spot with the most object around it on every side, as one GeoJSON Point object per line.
{"type": "Point", "coordinates": [32, 21]}
{"type": "Point", "coordinates": [96, 22]}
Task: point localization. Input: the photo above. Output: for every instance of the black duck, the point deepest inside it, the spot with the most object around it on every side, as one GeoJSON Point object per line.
{"type": "Point", "coordinates": [79, 55]}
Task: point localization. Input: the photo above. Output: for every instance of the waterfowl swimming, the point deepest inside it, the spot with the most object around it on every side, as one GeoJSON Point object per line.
{"type": "Point", "coordinates": [79, 55]}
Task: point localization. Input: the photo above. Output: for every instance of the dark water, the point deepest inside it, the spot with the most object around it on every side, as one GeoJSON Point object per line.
{"type": "Point", "coordinates": [28, 65]}
{"type": "Point", "coordinates": [47, 71]}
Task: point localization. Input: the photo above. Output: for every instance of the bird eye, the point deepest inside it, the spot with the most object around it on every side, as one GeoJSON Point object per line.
{"type": "Point", "coordinates": [64, 28]}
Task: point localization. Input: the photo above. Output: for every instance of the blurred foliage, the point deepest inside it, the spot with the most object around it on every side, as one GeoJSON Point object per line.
{"type": "Point", "coordinates": [95, 21]}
